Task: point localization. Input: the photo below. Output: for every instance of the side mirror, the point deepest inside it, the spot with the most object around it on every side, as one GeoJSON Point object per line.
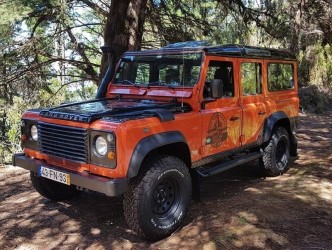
{"type": "Point", "coordinates": [216, 88]}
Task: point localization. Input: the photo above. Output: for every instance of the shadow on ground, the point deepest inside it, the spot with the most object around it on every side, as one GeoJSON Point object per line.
{"type": "Point", "coordinates": [239, 209]}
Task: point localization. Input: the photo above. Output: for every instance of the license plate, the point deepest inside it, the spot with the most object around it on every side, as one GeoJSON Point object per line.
{"type": "Point", "coordinates": [54, 175]}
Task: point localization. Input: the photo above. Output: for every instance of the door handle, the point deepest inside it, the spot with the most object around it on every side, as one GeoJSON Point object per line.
{"type": "Point", "coordinates": [262, 113]}
{"type": "Point", "coordinates": [234, 118]}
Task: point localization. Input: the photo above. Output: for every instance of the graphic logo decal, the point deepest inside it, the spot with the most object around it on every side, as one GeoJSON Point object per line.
{"type": "Point", "coordinates": [217, 130]}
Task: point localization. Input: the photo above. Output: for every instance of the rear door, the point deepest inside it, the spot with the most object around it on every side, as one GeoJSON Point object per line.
{"type": "Point", "coordinates": [252, 100]}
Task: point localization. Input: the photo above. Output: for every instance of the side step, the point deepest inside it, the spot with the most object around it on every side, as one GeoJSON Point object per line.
{"type": "Point", "coordinates": [206, 172]}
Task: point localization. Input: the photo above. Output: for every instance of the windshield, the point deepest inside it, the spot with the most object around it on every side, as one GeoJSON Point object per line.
{"type": "Point", "coordinates": [166, 70]}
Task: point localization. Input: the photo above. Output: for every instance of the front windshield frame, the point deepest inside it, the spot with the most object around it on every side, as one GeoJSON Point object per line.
{"type": "Point", "coordinates": [170, 70]}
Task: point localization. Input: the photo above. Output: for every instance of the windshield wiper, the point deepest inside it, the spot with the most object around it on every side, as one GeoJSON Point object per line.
{"type": "Point", "coordinates": [159, 83]}
{"type": "Point", "coordinates": [127, 82]}
{"type": "Point", "coordinates": [156, 83]}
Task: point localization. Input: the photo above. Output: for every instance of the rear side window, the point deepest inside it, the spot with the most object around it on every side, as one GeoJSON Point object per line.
{"type": "Point", "coordinates": [251, 78]}
{"type": "Point", "coordinates": [280, 76]}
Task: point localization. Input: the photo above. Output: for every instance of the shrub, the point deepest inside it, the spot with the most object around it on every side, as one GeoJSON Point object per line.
{"type": "Point", "coordinates": [315, 99]}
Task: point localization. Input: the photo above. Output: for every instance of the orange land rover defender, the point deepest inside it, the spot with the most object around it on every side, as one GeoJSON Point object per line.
{"type": "Point", "coordinates": [162, 119]}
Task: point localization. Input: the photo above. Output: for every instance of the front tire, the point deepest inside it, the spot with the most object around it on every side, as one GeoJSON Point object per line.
{"type": "Point", "coordinates": [158, 198]}
{"type": "Point", "coordinates": [53, 190]}
{"type": "Point", "coordinates": [275, 158]}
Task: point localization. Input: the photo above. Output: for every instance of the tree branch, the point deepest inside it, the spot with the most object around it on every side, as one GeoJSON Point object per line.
{"type": "Point", "coordinates": [95, 7]}
{"type": "Point", "coordinates": [62, 86]}
{"type": "Point", "coordinates": [81, 51]}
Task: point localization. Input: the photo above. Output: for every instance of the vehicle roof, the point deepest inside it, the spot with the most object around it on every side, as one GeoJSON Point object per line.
{"type": "Point", "coordinates": [230, 50]}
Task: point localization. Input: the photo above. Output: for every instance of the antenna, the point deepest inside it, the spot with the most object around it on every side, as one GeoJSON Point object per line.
{"type": "Point", "coordinates": [183, 65]}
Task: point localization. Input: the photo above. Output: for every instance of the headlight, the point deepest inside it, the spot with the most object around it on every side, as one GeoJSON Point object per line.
{"type": "Point", "coordinates": [101, 146]}
{"type": "Point", "coordinates": [34, 132]}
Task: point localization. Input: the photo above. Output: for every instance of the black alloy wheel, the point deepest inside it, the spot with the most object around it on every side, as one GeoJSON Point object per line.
{"type": "Point", "coordinates": [158, 198]}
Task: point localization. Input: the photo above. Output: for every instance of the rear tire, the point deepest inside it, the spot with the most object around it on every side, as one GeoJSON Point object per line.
{"type": "Point", "coordinates": [275, 158]}
{"type": "Point", "coordinates": [53, 190]}
{"type": "Point", "coordinates": [158, 198]}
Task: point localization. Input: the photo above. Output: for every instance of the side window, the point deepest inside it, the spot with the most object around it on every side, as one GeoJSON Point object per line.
{"type": "Point", "coordinates": [280, 76]}
{"type": "Point", "coordinates": [251, 78]}
{"type": "Point", "coordinates": [220, 70]}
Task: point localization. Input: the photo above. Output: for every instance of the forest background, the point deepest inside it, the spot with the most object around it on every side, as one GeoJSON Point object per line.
{"type": "Point", "coordinates": [50, 49]}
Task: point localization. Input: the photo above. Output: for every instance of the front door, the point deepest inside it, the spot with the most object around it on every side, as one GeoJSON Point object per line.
{"type": "Point", "coordinates": [221, 117]}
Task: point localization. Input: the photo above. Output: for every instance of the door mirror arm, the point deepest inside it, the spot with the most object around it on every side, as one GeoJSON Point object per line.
{"type": "Point", "coordinates": [207, 100]}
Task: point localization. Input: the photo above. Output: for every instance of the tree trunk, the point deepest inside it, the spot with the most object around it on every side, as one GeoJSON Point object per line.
{"type": "Point", "coordinates": [124, 28]}
{"type": "Point", "coordinates": [296, 42]}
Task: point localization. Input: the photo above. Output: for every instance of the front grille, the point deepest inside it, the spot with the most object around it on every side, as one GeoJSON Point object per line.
{"type": "Point", "coordinates": [67, 142]}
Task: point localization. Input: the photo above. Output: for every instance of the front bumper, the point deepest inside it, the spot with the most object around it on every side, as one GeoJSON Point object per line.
{"type": "Point", "coordinates": [110, 187]}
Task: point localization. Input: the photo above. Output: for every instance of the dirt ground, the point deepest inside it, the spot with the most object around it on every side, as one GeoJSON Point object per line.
{"type": "Point", "coordinates": [239, 209]}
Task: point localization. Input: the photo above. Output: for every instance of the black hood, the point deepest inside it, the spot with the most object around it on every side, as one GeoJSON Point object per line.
{"type": "Point", "coordinates": [114, 110]}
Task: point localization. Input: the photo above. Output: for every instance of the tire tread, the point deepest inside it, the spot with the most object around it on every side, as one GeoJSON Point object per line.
{"type": "Point", "coordinates": [138, 188]}
{"type": "Point", "coordinates": [267, 158]}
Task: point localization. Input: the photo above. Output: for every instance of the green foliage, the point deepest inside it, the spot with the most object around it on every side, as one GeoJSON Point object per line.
{"type": "Point", "coordinates": [280, 76]}
{"type": "Point", "coordinates": [316, 99]}
{"type": "Point", "coordinates": [320, 67]}
{"type": "Point", "coordinates": [10, 114]}
{"type": "Point", "coordinates": [44, 51]}
{"type": "Point", "coordinates": [315, 65]}
{"type": "Point", "coordinates": [80, 92]}
{"type": "Point", "coordinates": [11, 131]}
{"type": "Point", "coordinates": [12, 11]}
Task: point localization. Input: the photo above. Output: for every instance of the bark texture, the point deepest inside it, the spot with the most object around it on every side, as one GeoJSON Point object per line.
{"type": "Point", "coordinates": [124, 27]}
